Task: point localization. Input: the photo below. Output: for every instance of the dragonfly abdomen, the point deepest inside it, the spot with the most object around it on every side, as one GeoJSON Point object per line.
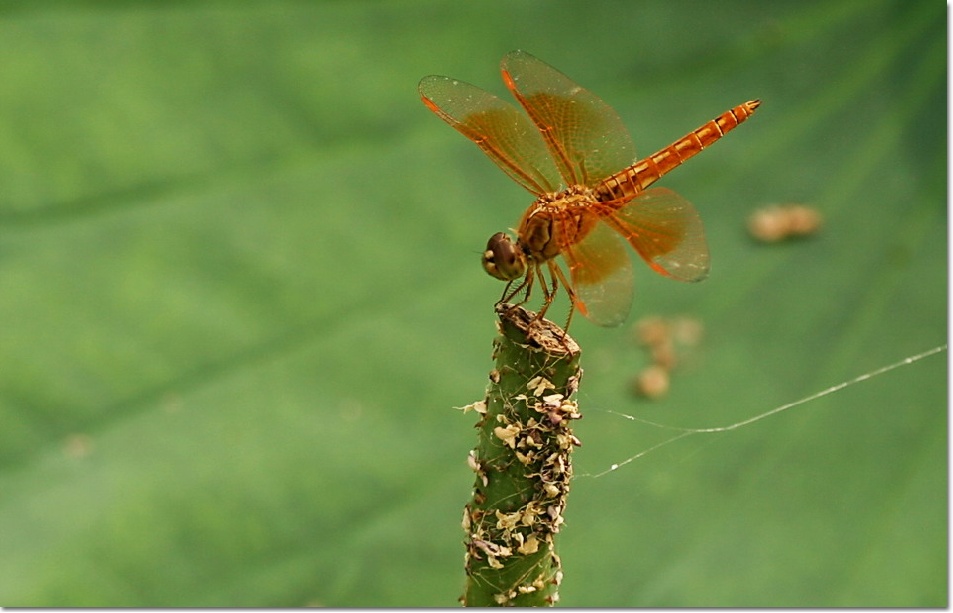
{"type": "Point", "coordinates": [627, 183]}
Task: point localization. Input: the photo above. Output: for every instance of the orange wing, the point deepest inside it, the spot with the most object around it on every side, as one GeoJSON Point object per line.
{"type": "Point", "coordinates": [666, 231]}
{"type": "Point", "coordinates": [585, 135]}
{"type": "Point", "coordinates": [502, 131]}
{"type": "Point", "coordinates": [661, 226]}
{"type": "Point", "coordinates": [601, 273]}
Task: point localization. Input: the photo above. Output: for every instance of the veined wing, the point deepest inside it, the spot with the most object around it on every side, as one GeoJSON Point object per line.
{"type": "Point", "coordinates": [666, 231]}
{"type": "Point", "coordinates": [502, 131]}
{"type": "Point", "coordinates": [601, 273]}
{"type": "Point", "coordinates": [584, 134]}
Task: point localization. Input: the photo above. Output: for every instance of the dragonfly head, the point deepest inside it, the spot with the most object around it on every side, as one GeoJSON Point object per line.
{"type": "Point", "coordinates": [503, 258]}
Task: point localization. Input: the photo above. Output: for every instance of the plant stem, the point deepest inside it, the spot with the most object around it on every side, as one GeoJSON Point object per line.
{"type": "Point", "coordinates": [522, 465]}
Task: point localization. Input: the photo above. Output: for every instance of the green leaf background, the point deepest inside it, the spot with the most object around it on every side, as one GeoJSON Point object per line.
{"type": "Point", "coordinates": [240, 297]}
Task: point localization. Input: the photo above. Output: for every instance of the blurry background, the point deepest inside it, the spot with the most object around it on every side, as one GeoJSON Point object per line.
{"type": "Point", "coordinates": [240, 296]}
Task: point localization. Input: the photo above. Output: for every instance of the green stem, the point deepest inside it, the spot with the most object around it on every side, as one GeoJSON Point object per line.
{"type": "Point", "coordinates": [522, 465]}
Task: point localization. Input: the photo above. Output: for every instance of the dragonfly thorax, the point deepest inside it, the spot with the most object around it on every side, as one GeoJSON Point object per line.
{"type": "Point", "coordinates": [555, 220]}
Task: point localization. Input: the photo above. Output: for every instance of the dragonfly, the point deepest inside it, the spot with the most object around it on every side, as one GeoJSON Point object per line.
{"type": "Point", "coordinates": [572, 152]}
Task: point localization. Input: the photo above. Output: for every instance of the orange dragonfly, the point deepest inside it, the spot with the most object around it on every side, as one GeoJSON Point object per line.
{"type": "Point", "coordinates": [572, 152]}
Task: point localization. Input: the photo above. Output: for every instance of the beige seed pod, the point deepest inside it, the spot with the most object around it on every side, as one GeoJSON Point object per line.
{"type": "Point", "coordinates": [651, 330]}
{"type": "Point", "coordinates": [651, 382]}
{"type": "Point", "coordinates": [777, 222]}
{"type": "Point", "coordinates": [803, 220]}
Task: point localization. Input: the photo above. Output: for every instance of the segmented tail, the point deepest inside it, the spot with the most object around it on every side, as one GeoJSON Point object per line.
{"type": "Point", "coordinates": [626, 184]}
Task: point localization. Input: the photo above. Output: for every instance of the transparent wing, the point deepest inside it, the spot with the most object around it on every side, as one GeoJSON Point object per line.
{"type": "Point", "coordinates": [666, 231]}
{"type": "Point", "coordinates": [584, 134]}
{"type": "Point", "coordinates": [601, 273]}
{"type": "Point", "coordinates": [501, 130]}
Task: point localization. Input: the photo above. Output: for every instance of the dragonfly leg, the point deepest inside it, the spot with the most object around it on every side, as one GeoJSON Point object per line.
{"type": "Point", "coordinates": [549, 288]}
{"type": "Point", "coordinates": [572, 309]}
{"type": "Point", "coordinates": [526, 283]}
{"type": "Point", "coordinates": [557, 274]}
{"type": "Point", "coordinates": [549, 293]}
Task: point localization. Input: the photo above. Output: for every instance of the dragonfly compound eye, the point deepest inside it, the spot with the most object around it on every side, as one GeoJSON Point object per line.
{"type": "Point", "coordinates": [503, 258]}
